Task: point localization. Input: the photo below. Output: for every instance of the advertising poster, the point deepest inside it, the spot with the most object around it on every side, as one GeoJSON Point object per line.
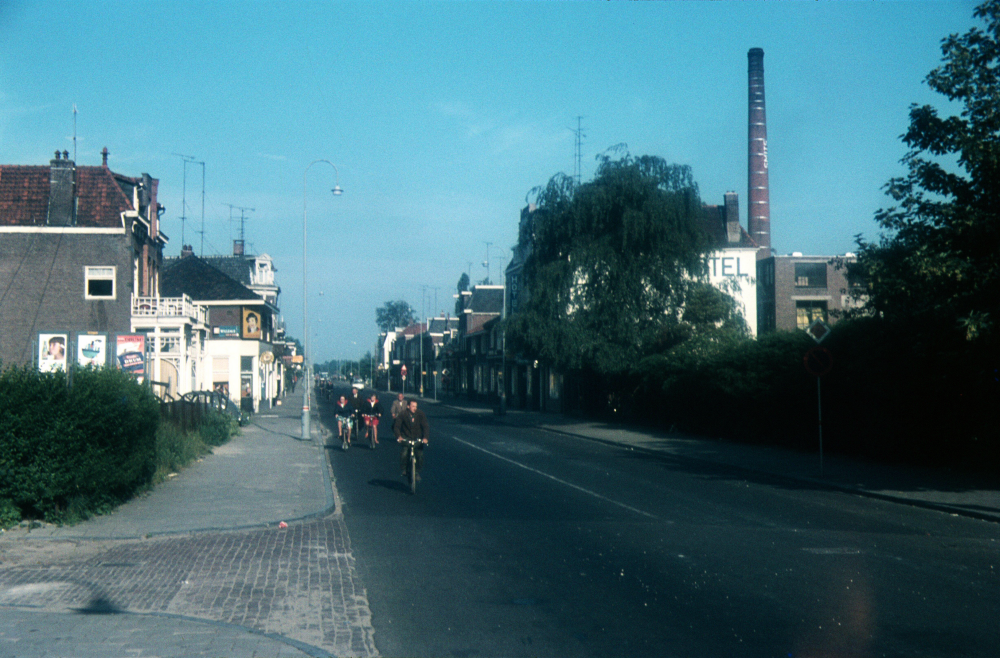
{"type": "Point", "coordinates": [92, 350]}
{"type": "Point", "coordinates": [130, 353]}
{"type": "Point", "coordinates": [226, 331]}
{"type": "Point", "coordinates": [251, 324]}
{"type": "Point", "coordinates": [52, 352]}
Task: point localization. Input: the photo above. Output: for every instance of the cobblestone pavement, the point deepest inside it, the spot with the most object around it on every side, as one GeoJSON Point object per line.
{"type": "Point", "coordinates": [297, 583]}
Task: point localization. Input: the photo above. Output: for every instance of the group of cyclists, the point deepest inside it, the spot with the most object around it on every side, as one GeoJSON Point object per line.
{"type": "Point", "coordinates": [362, 413]}
{"type": "Point", "coordinates": [409, 424]}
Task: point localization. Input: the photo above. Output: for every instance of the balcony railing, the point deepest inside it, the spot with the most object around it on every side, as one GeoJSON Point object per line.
{"type": "Point", "coordinates": [168, 307]}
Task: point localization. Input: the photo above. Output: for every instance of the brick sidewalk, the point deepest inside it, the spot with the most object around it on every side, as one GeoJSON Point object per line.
{"type": "Point", "coordinates": [183, 561]}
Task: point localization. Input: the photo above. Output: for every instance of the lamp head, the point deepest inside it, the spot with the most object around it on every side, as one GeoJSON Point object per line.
{"type": "Point", "coordinates": [336, 190]}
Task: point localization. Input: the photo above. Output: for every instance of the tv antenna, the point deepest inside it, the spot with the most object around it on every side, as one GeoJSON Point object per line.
{"type": "Point", "coordinates": [243, 210]}
{"type": "Point", "coordinates": [187, 159]}
{"type": "Point", "coordinates": [579, 149]}
{"type": "Point", "coordinates": [486, 263]}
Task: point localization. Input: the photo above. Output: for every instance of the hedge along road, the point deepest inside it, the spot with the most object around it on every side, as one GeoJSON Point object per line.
{"type": "Point", "coordinates": [522, 542]}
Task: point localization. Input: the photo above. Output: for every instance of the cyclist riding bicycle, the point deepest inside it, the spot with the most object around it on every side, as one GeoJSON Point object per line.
{"type": "Point", "coordinates": [411, 424]}
{"type": "Point", "coordinates": [344, 413]}
{"type": "Point", "coordinates": [371, 411]}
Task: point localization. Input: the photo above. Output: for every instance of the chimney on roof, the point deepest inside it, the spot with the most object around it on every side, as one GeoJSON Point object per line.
{"type": "Point", "coordinates": [758, 205]}
{"type": "Point", "coordinates": [187, 250]}
{"type": "Point", "coordinates": [104, 157]}
{"type": "Point", "coordinates": [62, 191]}
{"type": "Point", "coordinates": [732, 217]}
{"type": "Point", "coordinates": [237, 247]}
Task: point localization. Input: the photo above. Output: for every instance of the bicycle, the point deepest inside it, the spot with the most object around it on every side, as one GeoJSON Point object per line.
{"type": "Point", "coordinates": [346, 427]}
{"type": "Point", "coordinates": [370, 422]}
{"type": "Point", "coordinates": [411, 470]}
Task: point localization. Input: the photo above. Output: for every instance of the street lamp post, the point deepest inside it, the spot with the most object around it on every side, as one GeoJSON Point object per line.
{"type": "Point", "coordinates": [307, 394]}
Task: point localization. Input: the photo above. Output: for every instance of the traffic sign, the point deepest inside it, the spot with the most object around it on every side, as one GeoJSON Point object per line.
{"type": "Point", "coordinates": [819, 330]}
{"type": "Point", "coordinates": [818, 361]}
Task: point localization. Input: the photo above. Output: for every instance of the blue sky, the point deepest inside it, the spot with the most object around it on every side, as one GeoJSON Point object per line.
{"type": "Point", "coordinates": [441, 117]}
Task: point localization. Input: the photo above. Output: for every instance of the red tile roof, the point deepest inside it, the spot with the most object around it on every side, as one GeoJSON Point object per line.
{"type": "Point", "coordinates": [24, 196]}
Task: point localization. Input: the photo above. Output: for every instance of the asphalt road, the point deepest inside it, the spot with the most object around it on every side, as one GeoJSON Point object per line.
{"type": "Point", "coordinates": [528, 543]}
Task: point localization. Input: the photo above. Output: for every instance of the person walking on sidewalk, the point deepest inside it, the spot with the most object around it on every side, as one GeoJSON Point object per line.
{"type": "Point", "coordinates": [411, 424]}
{"type": "Point", "coordinates": [397, 407]}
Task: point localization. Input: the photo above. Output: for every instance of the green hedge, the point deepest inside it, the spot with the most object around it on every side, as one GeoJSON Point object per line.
{"type": "Point", "coordinates": [894, 393]}
{"type": "Point", "coordinates": [71, 446]}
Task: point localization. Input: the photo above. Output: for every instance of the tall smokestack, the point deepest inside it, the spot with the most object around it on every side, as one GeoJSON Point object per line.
{"type": "Point", "coordinates": [759, 208]}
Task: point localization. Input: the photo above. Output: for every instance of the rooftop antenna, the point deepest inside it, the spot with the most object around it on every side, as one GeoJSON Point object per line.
{"type": "Point", "coordinates": [202, 231]}
{"type": "Point", "coordinates": [579, 149]}
{"type": "Point", "coordinates": [74, 132]}
{"type": "Point", "coordinates": [486, 264]}
{"type": "Point", "coordinates": [187, 159]}
{"type": "Point", "coordinates": [243, 210]}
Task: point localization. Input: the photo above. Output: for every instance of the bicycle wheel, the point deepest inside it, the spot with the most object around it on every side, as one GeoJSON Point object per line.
{"type": "Point", "coordinates": [413, 470]}
{"type": "Point", "coordinates": [343, 440]}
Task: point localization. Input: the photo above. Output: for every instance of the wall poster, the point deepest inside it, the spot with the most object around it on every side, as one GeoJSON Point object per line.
{"type": "Point", "coordinates": [130, 353]}
{"type": "Point", "coordinates": [52, 352]}
{"type": "Point", "coordinates": [92, 350]}
{"type": "Point", "coordinates": [251, 324]}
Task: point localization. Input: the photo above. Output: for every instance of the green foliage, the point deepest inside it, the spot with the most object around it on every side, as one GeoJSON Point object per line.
{"type": "Point", "coordinates": [394, 314]}
{"type": "Point", "coordinates": [462, 286]}
{"type": "Point", "coordinates": [216, 428]}
{"type": "Point", "coordinates": [69, 448]}
{"type": "Point", "coordinates": [720, 383]}
{"type": "Point", "coordinates": [176, 449]}
{"type": "Point", "coordinates": [10, 515]}
{"type": "Point", "coordinates": [936, 262]}
{"type": "Point", "coordinates": [610, 264]}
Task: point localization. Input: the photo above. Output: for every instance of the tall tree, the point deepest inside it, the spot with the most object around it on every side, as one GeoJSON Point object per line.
{"type": "Point", "coordinates": [936, 262]}
{"type": "Point", "coordinates": [463, 286]}
{"type": "Point", "coordinates": [609, 263]}
{"type": "Point", "coordinates": [394, 314]}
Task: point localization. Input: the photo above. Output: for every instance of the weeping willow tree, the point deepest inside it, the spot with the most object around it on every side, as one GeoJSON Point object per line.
{"type": "Point", "coordinates": [609, 265]}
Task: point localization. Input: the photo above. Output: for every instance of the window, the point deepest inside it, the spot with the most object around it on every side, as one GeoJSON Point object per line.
{"type": "Point", "coordinates": [807, 312]}
{"type": "Point", "coordinates": [810, 275]}
{"type": "Point", "coordinates": [99, 282]}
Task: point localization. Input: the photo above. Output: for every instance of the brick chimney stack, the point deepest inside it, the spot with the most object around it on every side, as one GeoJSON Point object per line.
{"type": "Point", "coordinates": [758, 204]}
{"type": "Point", "coordinates": [62, 172]}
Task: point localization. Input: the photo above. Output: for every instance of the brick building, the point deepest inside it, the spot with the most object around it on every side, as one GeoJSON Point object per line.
{"type": "Point", "coordinates": [76, 243]}
{"type": "Point", "coordinates": [793, 291]}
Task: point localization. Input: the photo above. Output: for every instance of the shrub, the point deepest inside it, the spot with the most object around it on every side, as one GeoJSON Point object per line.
{"type": "Point", "coordinates": [216, 427]}
{"type": "Point", "coordinates": [80, 446]}
{"type": "Point", "coordinates": [10, 515]}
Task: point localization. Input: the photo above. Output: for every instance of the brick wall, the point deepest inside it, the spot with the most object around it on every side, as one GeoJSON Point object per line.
{"type": "Point", "coordinates": [42, 287]}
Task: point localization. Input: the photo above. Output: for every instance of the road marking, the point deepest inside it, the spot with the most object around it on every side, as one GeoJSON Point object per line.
{"type": "Point", "coordinates": [552, 477]}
